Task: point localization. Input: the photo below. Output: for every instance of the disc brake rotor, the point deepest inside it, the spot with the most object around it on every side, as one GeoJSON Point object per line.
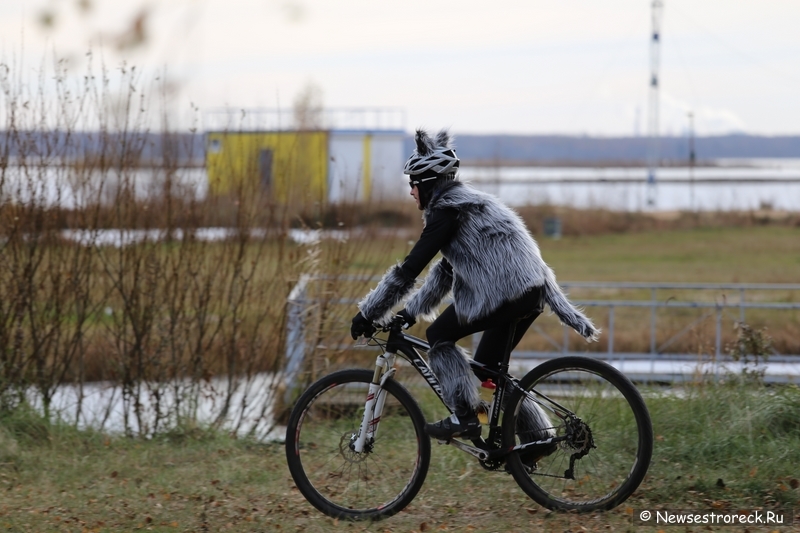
{"type": "Point", "coordinates": [347, 451]}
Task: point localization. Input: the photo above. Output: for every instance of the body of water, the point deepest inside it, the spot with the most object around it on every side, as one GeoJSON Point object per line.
{"type": "Point", "coordinates": [241, 406]}
{"type": "Point", "coordinates": [734, 185]}
{"type": "Point", "coordinates": [102, 406]}
{"type": "Point", "coordinates": [731, 185]}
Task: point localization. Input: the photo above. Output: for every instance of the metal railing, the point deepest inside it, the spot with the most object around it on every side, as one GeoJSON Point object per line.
{"type": "Point", "coordinates": [657, 364]}
{"type": "Point", "coordinates": [654, 303]}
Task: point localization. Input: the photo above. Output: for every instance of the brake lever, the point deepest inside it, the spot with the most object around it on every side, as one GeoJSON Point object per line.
{"type": "Point", "coordinates": [362, 341]}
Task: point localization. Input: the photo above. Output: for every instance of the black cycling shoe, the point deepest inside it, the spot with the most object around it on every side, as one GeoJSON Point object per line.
{"type": "Point", "coordinates": [464, 426]}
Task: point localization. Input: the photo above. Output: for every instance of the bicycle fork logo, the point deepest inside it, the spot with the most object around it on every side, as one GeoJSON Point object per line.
{"type": "Point", "coordinates": [373, 423]}
{"type": "Point", "coordinates": [428, 375]}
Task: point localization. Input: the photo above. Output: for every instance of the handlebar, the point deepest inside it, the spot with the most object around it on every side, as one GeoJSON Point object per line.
{"type": "Point", "coordinates": [394, 324]}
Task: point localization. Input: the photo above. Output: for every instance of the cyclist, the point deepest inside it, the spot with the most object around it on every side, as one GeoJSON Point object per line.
{"type": "Point", "coordinates": [492, 266]}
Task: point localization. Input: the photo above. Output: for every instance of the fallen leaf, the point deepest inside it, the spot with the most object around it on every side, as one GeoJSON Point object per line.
{"type": "Point", "coordinates": [794, 483]}
{"type": "Point", "coordinates": [423, 526]}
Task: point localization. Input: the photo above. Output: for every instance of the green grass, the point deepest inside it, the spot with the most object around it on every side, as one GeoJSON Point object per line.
{"type": "Point", "coordinates": [718, 446]}
{"type": "Point", "coordinates": [752, 254]}
{"type": "Point", "coordinates": [713, 255]}
{"type": "Point", "coordinates": [749, 254]}
{"type": "Point", "coordinates": [757, 254]}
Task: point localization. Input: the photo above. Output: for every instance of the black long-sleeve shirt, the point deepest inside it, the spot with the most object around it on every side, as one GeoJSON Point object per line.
{"type": "Point", "coordinates": [440, 227]}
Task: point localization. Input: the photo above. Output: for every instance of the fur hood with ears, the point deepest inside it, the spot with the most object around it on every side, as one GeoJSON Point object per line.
{"type": "Point", "coordinates": [426, 145]}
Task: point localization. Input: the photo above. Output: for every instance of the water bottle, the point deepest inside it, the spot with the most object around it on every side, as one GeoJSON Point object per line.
{"type": "Point", "coordinates": [487, 397]}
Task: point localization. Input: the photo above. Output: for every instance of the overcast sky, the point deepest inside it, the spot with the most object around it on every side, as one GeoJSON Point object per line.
{"type": "Point", "coordinates": [522, 66]}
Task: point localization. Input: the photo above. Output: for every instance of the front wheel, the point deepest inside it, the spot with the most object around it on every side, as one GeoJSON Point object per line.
{"type": "Point", "coordinates": [603, 431]}
{"type": "Point", "coordinates": [373, 484]}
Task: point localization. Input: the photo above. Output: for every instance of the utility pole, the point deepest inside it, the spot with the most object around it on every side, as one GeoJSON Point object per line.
{"type": "Point", "coordinates": [691, 160]}
{"type": "Point", "coordinates": [653, 104]}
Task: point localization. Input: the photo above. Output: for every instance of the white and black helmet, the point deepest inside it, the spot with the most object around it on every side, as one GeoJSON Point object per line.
{"type": "Point", "coordinates": [432, 156]}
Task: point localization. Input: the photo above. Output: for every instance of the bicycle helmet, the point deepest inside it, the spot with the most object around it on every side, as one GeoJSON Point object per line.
{"type": "Point", "coordinates": [432, 156]}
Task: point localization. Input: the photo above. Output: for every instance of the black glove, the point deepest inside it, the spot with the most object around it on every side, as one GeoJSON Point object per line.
{"type": "Point", "coordinates": [361, 326]}
{"type": "Point", "coordinates": [408, 320]}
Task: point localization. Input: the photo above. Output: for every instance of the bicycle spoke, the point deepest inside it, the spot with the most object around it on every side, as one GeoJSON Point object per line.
{"type": "Point", "coordinates": [377, 482]}
{"type": "Point", "coordinates": [606, 437]}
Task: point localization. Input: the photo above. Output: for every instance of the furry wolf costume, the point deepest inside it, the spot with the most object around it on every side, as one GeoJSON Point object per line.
{"type": "Point", "coordinates": [490, 259]}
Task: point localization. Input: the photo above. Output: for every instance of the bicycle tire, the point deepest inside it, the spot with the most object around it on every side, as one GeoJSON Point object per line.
{"type": "Point", "coordinates": [372, 485]}
{"type": "Point", "coordinates": [619, 444]}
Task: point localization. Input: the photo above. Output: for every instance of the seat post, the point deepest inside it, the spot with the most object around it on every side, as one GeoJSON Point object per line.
{"type": "Point", "coordinates": [508, 347]}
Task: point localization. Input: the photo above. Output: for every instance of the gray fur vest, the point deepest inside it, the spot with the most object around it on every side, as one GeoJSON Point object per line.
{"type": "Point", "coordinates": [494, 260]}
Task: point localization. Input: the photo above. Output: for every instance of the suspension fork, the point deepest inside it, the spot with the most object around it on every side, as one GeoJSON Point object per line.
{"type": "Point", "coordinates": [376, 398]}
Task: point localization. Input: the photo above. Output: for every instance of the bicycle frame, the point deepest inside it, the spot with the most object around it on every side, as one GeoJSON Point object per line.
{"type": "Point", "coordinates": [400, 343]}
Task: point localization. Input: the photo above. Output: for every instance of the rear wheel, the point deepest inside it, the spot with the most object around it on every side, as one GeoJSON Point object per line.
{"type": "Point", "coordinates": [605, 431]}
{"type": "Point", "coordinates": [373, 484]}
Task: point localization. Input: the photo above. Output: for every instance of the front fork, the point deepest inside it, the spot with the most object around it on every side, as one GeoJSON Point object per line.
{"type": "Point", "coordinates": [376, 397]}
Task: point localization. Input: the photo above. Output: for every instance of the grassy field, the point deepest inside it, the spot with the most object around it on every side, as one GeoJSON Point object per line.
{"type": "Point", "coordinates": [751, 254]}
{"type": "Point", "coordinates": [748, 254]}
{"type": "Point", "coordinates": [718, 446]}
{"type": "Point", "coordinates": [150, 313]}
{"type": "Point", "coordinates": [713, 255]}
{"type": "Point", "coordinates": [757, 254]}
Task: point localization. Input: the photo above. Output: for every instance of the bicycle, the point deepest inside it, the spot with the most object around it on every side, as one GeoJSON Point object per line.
{"type": "Point", "coordinates": [596, 453]}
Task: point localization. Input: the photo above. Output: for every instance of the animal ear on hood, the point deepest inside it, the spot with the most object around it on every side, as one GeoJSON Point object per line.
{"type": "Point", "coordinates": [424, 143]}
{"type": "Point", "coordinates": [443, 139]}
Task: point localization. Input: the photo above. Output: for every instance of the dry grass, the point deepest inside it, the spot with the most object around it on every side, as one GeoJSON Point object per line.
{"type": "Point", "coordinates": [718, 446]}
{"type": "Point", "coordinates": [149, 315]}
{"type": "Point", "coordinates": [159, 318]}
{"type": "Point", "coordinates": [592, 222]}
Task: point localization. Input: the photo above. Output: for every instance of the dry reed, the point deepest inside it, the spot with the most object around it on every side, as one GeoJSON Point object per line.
{"type": "Point", "coordinates": [170, 320]}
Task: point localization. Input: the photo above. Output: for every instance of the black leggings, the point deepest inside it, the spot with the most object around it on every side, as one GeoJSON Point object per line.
{"type": "Point", "coordinates": [509, 321]}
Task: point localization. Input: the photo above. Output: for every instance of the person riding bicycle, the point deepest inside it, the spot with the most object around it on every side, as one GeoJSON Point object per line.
{"type": "Point", "coordinates": [493, 267]}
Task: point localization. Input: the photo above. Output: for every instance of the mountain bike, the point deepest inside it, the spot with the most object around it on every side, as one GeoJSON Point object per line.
{"type": "Point", "coordinates": [357, 449]}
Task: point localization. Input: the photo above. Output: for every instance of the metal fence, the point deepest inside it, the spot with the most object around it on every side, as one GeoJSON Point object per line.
{"type": "Point", "coordinates": [658, 363]}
